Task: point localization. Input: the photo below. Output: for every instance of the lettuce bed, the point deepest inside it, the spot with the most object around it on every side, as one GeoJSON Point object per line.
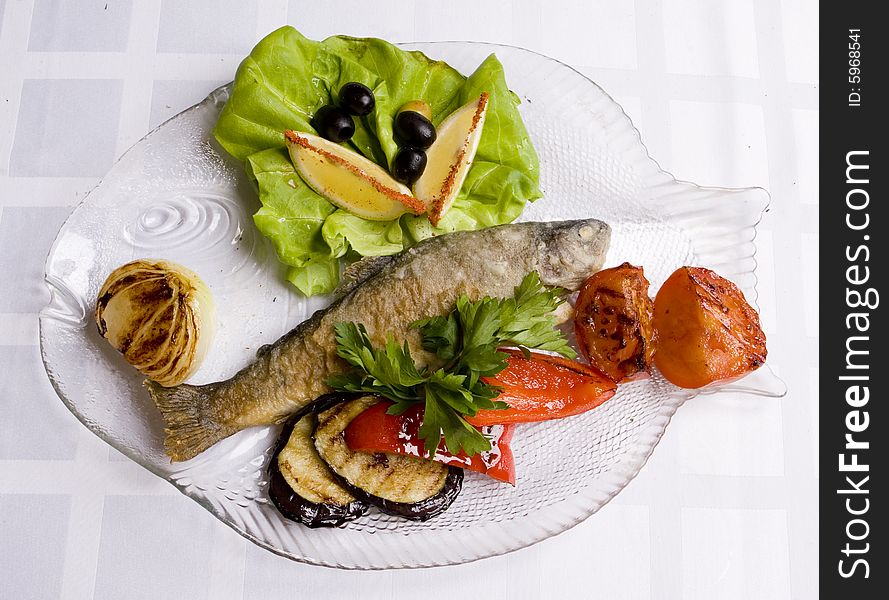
{"type": "Point", "coordinates": [287, 78]}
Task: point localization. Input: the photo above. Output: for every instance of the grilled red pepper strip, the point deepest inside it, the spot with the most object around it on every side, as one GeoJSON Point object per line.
{"type": "Point", "coordinates": [375, 431]}
{"type": "Point", "coordinates": [544, 387]}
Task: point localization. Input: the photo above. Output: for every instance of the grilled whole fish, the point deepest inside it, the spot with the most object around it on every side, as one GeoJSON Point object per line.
{"type": "Point", "coordinates": [423, 281]}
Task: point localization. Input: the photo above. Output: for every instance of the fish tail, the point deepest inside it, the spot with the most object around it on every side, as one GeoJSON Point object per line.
{"type": "Point", "coordinates": [188, 421]}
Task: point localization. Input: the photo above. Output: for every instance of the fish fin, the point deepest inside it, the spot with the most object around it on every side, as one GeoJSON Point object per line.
{"type": "Point", "coordinates": [360, 271]}
{"type": "Point", "coordinates": [189, 427]}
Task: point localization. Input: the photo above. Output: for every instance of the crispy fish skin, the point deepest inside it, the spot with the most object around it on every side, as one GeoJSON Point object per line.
{"type": "Point", "coordinates": [422, 281]}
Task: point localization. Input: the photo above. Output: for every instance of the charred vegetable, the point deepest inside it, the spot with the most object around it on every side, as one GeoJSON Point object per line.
{"type": "Point", "coordinates": [375, 430]}
{"type": "Point", "coordinates": [160, 316]}
{"type": "Point", "coordinates": [613, 324]}
{"type": "Point", "coordinates": [405, 486]}
{"type": "Point", "coordinates": [706, 329]}
{"type": "Point", "coordinates": [301, 485]}
{"type": "Point", "coordinates": [541, 387]}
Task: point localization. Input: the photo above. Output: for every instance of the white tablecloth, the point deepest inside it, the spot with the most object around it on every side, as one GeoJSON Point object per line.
{"type": "Point", "coordinates": [724, 92]}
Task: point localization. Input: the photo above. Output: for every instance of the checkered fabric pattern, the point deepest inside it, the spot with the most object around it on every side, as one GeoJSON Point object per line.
{"type": "Point", "coordinates": [724, 92]}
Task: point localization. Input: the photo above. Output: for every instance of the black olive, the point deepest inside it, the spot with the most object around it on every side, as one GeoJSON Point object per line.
{"type": "Point", "coordinates": [408, 165]}
{"type": "Point", "coordinates": [357, 99]}
{"type": "Point", "coordinates": [333, 123]}
{"type": "Point", "coordinates": [413, 130]}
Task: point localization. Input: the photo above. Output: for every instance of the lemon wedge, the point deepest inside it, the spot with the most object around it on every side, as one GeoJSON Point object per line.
{"type": "Point", "coordinates": [349, 180]}
{"type": "Point", "coordinates": [449, 158]}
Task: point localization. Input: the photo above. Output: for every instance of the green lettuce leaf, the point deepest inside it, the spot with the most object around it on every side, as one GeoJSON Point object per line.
{"type": "Point", "coordinates": [367, 238]}
{"type": "Point", "coordinates": [292, 216]}
{"type": "Point", "coordinates": [288, 77]}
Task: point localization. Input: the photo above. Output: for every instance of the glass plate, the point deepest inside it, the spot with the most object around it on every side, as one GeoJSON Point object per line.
{"type": "Point", "coordinates": [176, 195]}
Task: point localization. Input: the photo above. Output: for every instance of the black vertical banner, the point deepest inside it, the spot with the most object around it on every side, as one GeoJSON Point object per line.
{"type": "Point", "coordinates": [854, 432]}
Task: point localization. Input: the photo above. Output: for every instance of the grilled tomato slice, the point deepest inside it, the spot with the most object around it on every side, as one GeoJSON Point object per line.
{"type": "Point", "coordinates": [706, 329]}
{"type": "Point", "coordinates": [612, 321]}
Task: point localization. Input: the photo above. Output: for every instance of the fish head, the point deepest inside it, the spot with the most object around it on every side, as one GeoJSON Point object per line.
{"type": "Point", "coordinates": [571, 251]}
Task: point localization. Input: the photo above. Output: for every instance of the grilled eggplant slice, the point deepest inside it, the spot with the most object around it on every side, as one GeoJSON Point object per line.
{"type": "Point", "coordinates": [302, 487]}
{"type": "Point", "coordinates": [413, 488]}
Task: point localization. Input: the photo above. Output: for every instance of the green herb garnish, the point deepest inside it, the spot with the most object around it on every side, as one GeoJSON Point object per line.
{"type": "Point", "coordinates": [466, 340]}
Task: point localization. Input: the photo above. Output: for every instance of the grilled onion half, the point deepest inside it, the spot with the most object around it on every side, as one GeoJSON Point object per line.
{"type": "Point", "coordinates": [160, 316]}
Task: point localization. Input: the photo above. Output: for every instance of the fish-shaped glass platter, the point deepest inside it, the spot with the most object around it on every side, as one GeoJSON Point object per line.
{"type": "Point", "coordinates": [176, 195]}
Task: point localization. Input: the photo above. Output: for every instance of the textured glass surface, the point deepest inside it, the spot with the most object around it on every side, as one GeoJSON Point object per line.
{"type": "Point", "coordinates": [176, 195]}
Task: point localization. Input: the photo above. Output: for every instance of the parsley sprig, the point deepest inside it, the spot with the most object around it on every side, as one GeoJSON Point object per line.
{"type": "Point", "coordinates": [467, 341]}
